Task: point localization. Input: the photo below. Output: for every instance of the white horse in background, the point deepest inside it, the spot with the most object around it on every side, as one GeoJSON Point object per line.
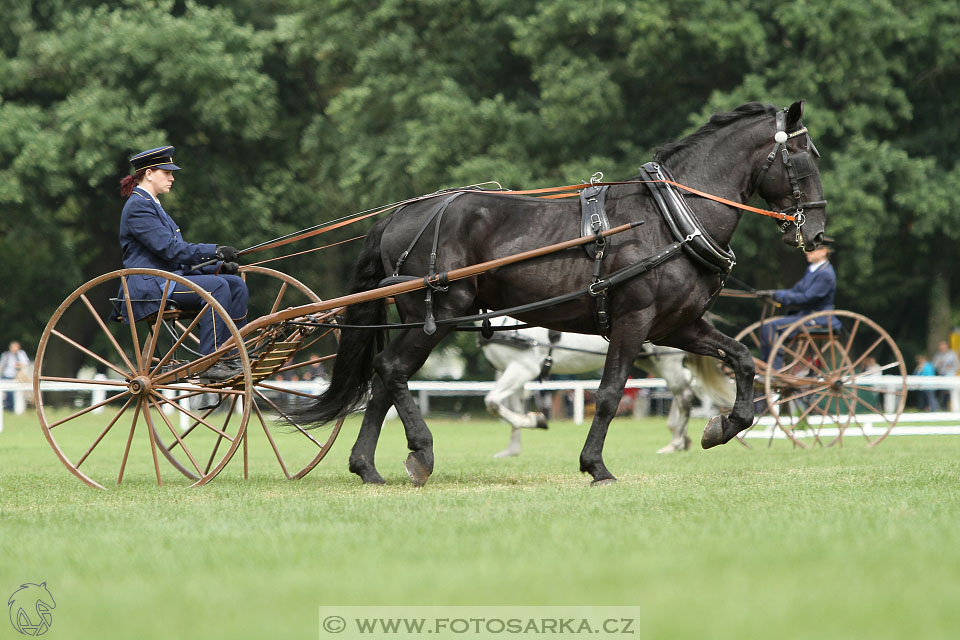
{"type": "Point", "coordinates": [521, 355]}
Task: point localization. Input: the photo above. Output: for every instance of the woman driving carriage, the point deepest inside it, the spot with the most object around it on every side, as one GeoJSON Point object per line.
{"type": "Point", "coordinates": [151, 239]}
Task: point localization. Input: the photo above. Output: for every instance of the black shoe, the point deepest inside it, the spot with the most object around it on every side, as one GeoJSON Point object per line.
{"type": "Point", "coordinates": [222, 370]}
{"type": "Point", "coordinates": [170, 365]}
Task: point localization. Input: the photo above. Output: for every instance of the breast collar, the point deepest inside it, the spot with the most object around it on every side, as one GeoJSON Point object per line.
{"type": "Point", "coordinates": [684, 223]}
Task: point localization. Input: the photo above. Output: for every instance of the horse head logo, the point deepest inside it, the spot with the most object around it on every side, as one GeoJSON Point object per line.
{"type": "Point", "coordinates": [30, 609]}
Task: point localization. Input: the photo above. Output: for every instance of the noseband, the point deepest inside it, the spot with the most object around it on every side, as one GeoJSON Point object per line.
{"type": "Point", "coordinates": [799, 165]}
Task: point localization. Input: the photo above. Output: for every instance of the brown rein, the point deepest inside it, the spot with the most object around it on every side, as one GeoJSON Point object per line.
{"type": "Point", "coordinates": [553, 193]}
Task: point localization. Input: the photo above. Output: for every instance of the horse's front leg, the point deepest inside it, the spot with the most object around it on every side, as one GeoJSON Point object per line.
{"type": "Point", "coordinates": [625, 343]}
{"type": "Point", "coordinates": [703, 338]}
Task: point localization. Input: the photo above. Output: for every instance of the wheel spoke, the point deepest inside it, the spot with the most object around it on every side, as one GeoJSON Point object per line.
{"type": "Point", "coordinates": [216, 446]}
{"type": "Point", "coordinates": [83, 349]}
{"type": "Point", "coordinates": [104, 432]}
{"type": "Point", "coordinates": [151, 433]}
{"type": "Point", "coordinates": [109, 334]}
{"type": "Point", "coordinates": [158, 323]}
{"type": "Point", "coordinates": [195, 392]}
{"type": "Point", "coordinates": [280, 389]}
{"type": "Point", "coordinates": [189, 430]}
{"type": "Point", "coordinates": [90, 408]}
{"type": "Point", "coordinates": [126, 450]}
{"type": "Point", "coordinates": [131, 320]}
{"type": "Point", "coordinates": [156, 405]}
{"type": "Point", "coordinates": [195, 417]}
{"type": "Point", "coordinates": [184, 332]}
{"type": "Point", "coordinates": [287, 418]}
{"type": "Point", "coordinates": [273, 444]}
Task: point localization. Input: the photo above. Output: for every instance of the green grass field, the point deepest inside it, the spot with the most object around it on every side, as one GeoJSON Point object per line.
{"type": "Point", "coordinates": [727, 543]}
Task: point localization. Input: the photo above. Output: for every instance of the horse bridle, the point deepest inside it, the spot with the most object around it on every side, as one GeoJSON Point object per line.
{"type": "Point", "coordinates": [799, 165]}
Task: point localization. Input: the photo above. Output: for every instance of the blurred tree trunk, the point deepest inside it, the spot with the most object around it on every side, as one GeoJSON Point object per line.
{"type": "Point", "coordinates": [938, 325]}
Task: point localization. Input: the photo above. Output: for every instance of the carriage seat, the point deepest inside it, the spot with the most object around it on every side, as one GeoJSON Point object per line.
{"type": "Point", "coordinates": [171, 311]}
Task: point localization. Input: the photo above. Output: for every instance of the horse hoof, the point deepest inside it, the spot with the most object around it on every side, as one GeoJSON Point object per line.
{"type": "Point", "coordinates": [603, 482]}
{"type": "Point", "coordinates": [419, 472]}
{"type": "Point", "coordinates": [507, 453]}
{"type": "Point", "coordinates": [542, 422]}
{"type": "Point", "coordinates": [367, 472]}
{"type": "Point", "coordinates": [670, 448]}
{"type": "Point", "coordinates": [712, 433]}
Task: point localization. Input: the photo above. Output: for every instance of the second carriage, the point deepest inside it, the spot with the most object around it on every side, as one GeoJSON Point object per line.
{"type": "Point", "coordinates": [828, 375]}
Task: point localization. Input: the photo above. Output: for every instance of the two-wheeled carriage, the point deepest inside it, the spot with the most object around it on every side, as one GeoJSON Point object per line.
{"type": "Point", "coordinates": [149, 375]}
{"type": "Point", "coordinates": [828, 375]}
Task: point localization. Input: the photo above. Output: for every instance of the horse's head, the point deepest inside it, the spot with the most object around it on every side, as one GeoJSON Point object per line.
{"type": "Point", "coordinates": [789, 180]}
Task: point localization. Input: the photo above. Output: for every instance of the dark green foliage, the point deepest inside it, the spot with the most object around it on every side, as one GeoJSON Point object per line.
{"type": "Point", "coordinates": [288, 113]}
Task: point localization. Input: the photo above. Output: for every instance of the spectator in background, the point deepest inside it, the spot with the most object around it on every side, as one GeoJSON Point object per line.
{"type": "Point", "coordinates": [927, 397]}
{"type": "Point", "coordinates": [13, 362]}
{"type": "Point", "coordinates": [945, 363]}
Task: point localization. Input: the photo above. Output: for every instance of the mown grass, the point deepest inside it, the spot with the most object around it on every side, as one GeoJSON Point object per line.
{"type": "Point", "coordinates": [727, 543]}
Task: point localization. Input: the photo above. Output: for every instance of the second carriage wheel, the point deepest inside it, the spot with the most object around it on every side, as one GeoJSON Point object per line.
{"type": "Point", "coordinates": [290, 366]}
{"type": "Point", "coordinates": [833, 374]}
{"type": "Point", "coordinates": [99, 379]}
{"type": "Point", "coordinates": [303, 372]}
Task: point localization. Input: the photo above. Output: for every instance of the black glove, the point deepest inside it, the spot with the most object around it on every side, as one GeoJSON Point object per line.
{"type": "Point", "coordinates": [226, 253]}
{"type": "Point", "coordinates": [229, 268]}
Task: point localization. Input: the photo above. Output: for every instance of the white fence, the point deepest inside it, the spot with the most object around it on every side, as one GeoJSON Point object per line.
{"type": "Point", "coordinates": [426, 389]}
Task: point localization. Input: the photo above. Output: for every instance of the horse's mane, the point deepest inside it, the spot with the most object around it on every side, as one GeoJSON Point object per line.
{"type": "Point", "coordinates": [717, 121]}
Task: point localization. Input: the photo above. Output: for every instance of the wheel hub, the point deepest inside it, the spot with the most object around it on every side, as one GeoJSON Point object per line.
{"type": "Point", "coordinates": [139, 386]}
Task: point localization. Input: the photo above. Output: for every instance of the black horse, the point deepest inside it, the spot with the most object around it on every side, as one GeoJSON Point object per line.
{"type": "Point", "coordinates": [734, 155]}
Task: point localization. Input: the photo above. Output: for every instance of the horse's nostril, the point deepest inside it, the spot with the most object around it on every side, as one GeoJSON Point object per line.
{"type": "Point", "coordinates": [817, 239]}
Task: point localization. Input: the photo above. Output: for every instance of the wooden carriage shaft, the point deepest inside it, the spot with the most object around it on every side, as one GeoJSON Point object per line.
{"type": "Point", "coordinates": [419, 283]}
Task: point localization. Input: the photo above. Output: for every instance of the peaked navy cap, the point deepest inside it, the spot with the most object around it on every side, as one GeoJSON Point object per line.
{"type": "Point", "coordinates": [159, 158]}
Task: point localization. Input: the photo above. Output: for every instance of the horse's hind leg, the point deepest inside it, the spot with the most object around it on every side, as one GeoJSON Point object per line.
{"type": "Point", "coordinates": [401, 359]}
{"type": "Point", "coordinates": [364, 449]}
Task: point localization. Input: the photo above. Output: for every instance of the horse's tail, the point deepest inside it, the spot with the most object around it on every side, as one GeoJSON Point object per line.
{"type": "Point", "coordinates": [714, 383]}
{"type": "Point", "coordinates": [353, 367]}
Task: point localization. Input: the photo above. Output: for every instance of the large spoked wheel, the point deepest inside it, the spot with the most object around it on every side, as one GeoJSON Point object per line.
{"type": "Point", "coordinates": [286, 372]}
{"type": "Point", "coordinates": [835, 373]}
{"type": "Point", "coordinates": [99, 378]}
{"type": "Point", "coordinates": [303, 373]}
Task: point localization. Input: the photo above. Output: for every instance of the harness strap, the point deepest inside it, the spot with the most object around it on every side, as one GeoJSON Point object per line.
{"type": "Point", "coordinates": [620, 276]}
{"type": "Point", "coordinates": [684, 223]}
{"type": "Point", "coordinates": [614, 279]}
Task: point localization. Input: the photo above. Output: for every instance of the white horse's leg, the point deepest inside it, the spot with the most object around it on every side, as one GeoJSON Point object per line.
{"type": "Point", "coordinates": [678, 380]}
{"type": "Point", "coordinates": [511, 381]}
{"type": "Point", "coordinates": [515, 403]}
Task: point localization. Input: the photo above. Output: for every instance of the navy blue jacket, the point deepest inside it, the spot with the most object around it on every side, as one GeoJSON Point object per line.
{"type": "Point", "coordinates": [814, 292]}
{"type": "Point", "coordinates": [150, 239]}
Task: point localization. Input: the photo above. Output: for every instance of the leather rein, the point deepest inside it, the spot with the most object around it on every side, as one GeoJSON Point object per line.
{"type": "Point", "coordinates": [791, 214]}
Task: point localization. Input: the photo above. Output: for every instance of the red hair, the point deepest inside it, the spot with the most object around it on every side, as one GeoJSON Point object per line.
{"type": "Point", "coordinates": [127, 183]}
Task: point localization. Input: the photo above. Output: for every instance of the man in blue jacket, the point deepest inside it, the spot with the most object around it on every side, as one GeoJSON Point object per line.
{"type": "Point", "coordinates": [814, 292]}
{"type": "Point", "coordinates": [151, 239]}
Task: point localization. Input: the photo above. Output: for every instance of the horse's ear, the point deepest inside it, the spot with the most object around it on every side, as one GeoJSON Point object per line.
{"type": "Point", "coordinates": [794, 113]}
